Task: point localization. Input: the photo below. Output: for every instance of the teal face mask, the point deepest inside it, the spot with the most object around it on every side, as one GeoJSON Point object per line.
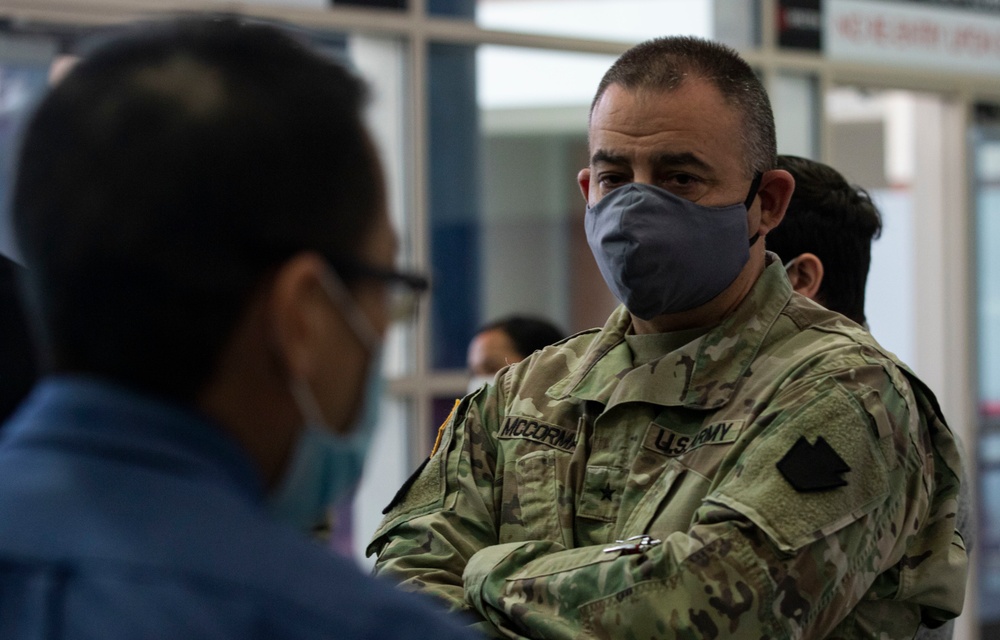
{"type": "Point", "coordinates": [325, 466]}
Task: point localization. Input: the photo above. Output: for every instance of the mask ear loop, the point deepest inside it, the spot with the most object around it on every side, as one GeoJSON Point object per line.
{"type": "Point", "coordinates": [334, 287]}
{"type": "Point", "coordinates": [306, 401]}
{"type": "Point", "coordinates": [751, 196]}
{"type": "Point", "coordinates": [362, 326]}
{"type": "Point", "coordinates": [754, 186]}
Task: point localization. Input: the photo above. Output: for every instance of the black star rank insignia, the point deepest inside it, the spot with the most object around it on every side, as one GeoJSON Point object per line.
{"type": "Point", "coordinates": [607, 492]}
{"type": "Point", "coordinates": [813, 467]}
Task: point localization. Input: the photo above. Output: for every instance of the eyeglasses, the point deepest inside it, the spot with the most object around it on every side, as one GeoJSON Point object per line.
{"type": "Point", "coordinates": [404, 288]}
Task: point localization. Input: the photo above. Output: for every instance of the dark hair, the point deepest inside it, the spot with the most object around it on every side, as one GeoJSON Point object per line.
{"type": "Point", "coordinates": [17, 364]}
{"type": "Point", "coordinates": [837, 222]}
{"type": "Point", "coordinates": [167, 176]}
{"type": "Point", "coordinates": [665, 63]}
{"type": "Point", "coordinates": [527, 333]}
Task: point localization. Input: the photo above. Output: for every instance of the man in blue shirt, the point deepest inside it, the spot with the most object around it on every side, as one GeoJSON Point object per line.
{"type": "Point", "coordinates": [210, 262]}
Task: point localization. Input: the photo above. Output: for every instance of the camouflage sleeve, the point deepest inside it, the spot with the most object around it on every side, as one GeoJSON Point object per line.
{"type": "Point", "coordinates": [447, 514]}
{"type": "Point", "coordinates": [771, 553]}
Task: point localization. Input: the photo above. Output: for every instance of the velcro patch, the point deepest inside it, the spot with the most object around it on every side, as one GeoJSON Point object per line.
{"type": "Point", "coordinates": [517, 427]}
{"type": "Point", "coordinates": [813, 466]}
{"type": "Point", "coordinates": [672, 444]}
{"type": "Point", "coordinates": [786, 510]}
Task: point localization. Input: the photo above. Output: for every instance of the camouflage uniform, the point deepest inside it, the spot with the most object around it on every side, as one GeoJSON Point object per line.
{"type": "Point", "coordinates": [802, 484]}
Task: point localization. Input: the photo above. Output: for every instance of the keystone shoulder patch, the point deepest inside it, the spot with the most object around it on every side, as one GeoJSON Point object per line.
{"type": "Point", "coordinates": [672, 444]}
{"type": "Point", "coordinates": [517, 427]}
{"type": "Point", "coordinates": [813, 467]}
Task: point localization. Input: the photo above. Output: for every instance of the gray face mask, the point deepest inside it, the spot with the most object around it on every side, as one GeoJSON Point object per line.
{"type": "Point", "coordinates": [660, 253]}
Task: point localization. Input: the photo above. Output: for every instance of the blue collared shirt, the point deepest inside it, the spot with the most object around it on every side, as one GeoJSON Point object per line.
{"type": "Point", "coordinates": [122, 516]}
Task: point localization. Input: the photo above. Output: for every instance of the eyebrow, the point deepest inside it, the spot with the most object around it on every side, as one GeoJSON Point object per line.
{"type": "Point", "coordinates": [607, 157]}
{"type": "Point", "coordinates": [682, 159]}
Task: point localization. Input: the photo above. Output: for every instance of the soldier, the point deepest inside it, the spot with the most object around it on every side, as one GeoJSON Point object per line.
{"type": "Point", "coordinates": [724, 458]}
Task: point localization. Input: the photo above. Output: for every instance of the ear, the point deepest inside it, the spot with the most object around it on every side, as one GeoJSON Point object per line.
{"type": "Point", "coordinates": [806, 275]}
{"type": "Point", "coordinates": [775, 191]}
{"type": "Point", "coordinates": [299, 313]}
{"type": "Point", "coordinates": [583, 179]}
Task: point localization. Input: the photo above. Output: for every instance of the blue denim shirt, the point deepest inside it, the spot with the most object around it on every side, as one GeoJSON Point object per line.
{"type": "Point", "coordinates": [122, 516]}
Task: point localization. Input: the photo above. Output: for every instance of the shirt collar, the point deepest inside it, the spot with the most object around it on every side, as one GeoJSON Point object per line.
{"type": "Point", "coordinates": [702, 374]}
{"type": "Point", "coordinates": [93, 415]}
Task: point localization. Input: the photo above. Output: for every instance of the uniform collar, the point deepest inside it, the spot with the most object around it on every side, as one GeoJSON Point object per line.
{"type": "Point", "coordinates": [702, 374]}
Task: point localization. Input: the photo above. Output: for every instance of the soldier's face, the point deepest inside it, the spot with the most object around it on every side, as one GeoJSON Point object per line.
{"type": "Point", "coordinates": [687, 141]}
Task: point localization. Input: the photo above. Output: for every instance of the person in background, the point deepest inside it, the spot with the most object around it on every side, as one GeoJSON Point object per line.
{"type": "Point", "coordinates": [826, 237]}
{"type": "Point", "coordinates": [505, 341]}
{"type": "Point", "coordinates": [825, 244]}
{"type": "Point", "coordinates": [723, 458]}
{"type": "Point", "coordinates": [211, 269]}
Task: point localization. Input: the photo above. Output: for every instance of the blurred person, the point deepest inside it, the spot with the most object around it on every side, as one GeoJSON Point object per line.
{"type": "Point", "coordinates": [17, 362]}
{"type": "Point", "coordinates": [825, 243]}
{"type": "Point", "coordinates": [210, 265]}
{"type": "Point", "coordinates": [723, 458]}
{"type": "Point", "coordinates": [505, 341]}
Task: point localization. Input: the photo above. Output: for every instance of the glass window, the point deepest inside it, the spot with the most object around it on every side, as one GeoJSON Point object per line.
{"type": "Point", "coordinates": [987, 202]}
{"type": "Point", "coordinates": [382, 63]}
{"type": "Point", "coordinates": [322, 4]}
{"type": "Point", "coordinates": [508, 131]}
{"type": "Point", "coordinates": [795, 100]}
{"type": "Point", "coordinates": [731, 21]}
{"type": "Point", "coordinates": [872, 144]}
{"type": "Point", "coordinates": [986, 199]}
{"type": "Point", "coordinates": [381, 4]}
{"type": "Point", "coordinates": [453, 8]}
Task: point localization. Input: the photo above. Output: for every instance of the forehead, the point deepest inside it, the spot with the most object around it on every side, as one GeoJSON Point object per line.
{"type": "Point", "coordinates": [493, 345]}
{"type": "Point", "coordinates": [494, 341]}
{"type": "Point", "coordinates": [490, 351]}
{"type": "Point", "coordinates": [693, 118]}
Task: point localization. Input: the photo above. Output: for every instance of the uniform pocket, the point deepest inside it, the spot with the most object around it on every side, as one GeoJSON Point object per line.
{"type": "Point", "coordinates": [530, 503]}
{"type": "Point", "coordinates": [666, 506]}
{"type": "Point", "coordinates": [602, 493]}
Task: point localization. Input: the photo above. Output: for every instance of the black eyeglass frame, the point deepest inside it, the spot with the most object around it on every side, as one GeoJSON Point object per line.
{"type": "Point", "coordinates": [350, 270]}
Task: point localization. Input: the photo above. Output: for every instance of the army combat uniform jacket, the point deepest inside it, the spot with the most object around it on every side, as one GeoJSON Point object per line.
{"type": "Point", "coordinates": [787, 478]}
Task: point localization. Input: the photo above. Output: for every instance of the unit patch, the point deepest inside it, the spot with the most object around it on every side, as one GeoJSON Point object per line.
{"type": "Point", "coordinates": [673, 444]}
{"type": "Point", "coordinates": [813, 467]}
{"type": "Point", "coordinates": [531, 429]}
